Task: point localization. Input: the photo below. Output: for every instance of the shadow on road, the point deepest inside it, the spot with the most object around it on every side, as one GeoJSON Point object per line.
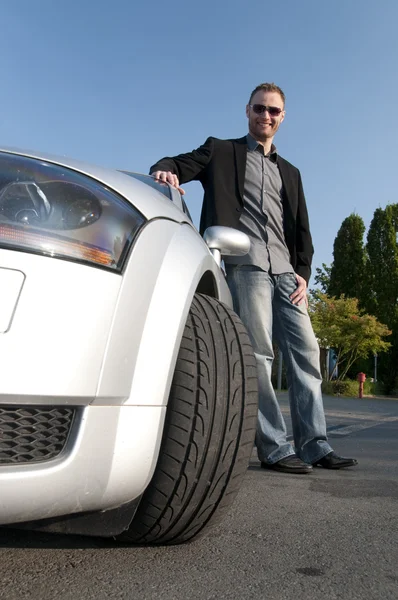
{"type": "Point", "coordinates": [18, 538]}
{"type": "Point", "coordinates": [15, 538]}
{"type": "Point", "coordinates": [26, 538]}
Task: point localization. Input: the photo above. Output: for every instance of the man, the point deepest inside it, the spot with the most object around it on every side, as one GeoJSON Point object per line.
{"type": "Point", "coordinates": [247, 185]}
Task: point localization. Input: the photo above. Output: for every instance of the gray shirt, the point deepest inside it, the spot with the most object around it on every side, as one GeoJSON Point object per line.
{"type": "Point", "coordinates": [262, 215]}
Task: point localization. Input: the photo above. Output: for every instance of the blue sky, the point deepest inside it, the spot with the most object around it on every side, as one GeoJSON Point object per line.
{"type": "Point", "coordinates": [123, 83]}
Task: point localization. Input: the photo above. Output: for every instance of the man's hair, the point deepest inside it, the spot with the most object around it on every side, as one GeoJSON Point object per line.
{"type": "Point", "coordinates": [268, 87]}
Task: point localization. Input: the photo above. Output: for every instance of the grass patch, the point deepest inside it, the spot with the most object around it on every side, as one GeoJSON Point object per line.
{"type": "Point", "coordinates": [348, 387]}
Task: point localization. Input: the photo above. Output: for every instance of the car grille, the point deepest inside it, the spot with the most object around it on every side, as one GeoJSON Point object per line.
{"type": "Point", "coordinates": [33, 434]}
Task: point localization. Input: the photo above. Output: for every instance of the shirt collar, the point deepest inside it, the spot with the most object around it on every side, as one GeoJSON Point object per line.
{"type": "Point", "coordinates": [252, 145]}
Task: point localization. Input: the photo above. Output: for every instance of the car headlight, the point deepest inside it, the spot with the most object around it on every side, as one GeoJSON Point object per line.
{"type": "Point", "coordinates": [52, 210]}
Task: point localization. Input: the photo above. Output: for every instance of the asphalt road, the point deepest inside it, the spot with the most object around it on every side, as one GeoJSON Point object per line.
{"type": "Point", "coordinates": [329, 535]}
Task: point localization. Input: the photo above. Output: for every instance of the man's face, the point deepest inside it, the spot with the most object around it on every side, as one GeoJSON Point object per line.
{"type": "Point", "coordinates": [264, 126]}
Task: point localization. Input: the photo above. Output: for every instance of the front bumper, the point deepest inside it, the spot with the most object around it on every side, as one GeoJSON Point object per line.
{"type": "Point", "coordinates": [107, 462]}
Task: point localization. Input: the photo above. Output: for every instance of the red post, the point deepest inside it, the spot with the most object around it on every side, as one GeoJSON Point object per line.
{"type": "Point", "coordinates": [361, 378]}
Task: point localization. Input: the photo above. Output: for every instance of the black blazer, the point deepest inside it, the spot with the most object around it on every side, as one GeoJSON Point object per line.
{"type": "Point", "coordinates": [220, 167]}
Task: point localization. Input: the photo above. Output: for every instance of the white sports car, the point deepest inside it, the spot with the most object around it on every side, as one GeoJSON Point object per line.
{"type": "Point", "coordinates": [128, 389]}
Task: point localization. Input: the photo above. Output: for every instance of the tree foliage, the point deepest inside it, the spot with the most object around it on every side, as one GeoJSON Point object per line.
{"type": "Point", "coordinates": [322, 277]}
{"type": "Point", "coordinates": [347, 273]}
{"type": "Point", "coordinates": [340, 324]}
{"type": "Point", "coordinates": [382, 263]}
{"type": "Point", "coordinates": [369, 274]}
{"type": "Point", "coordinates": [382, 268]}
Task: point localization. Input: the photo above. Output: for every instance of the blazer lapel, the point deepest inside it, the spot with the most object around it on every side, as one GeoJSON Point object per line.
{"type": "Point", "coordinates": [289, 194]}
{"type": "Point", "coordinates": [240, 148]}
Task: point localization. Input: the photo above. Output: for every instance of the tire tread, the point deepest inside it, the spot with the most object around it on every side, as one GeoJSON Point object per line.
{"type": "Point", "coordinates": [215, 392]}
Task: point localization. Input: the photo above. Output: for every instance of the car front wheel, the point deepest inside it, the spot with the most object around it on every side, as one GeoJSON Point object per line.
{"type": "Point", "coordinates": [209, 429]}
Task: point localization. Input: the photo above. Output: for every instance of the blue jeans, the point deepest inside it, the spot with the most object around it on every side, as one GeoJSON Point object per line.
{"type": "Point", "coordinates": [263, 304]}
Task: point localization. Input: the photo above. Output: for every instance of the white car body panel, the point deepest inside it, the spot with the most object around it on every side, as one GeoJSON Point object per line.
{"type": "Point", "coordinates": [55, 323]}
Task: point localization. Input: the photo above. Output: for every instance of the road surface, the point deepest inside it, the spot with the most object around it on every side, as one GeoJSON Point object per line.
{"type": "Point", "coordinates": [330, 534]}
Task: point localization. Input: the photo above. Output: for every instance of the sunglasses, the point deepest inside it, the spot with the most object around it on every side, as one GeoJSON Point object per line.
{"type": "Point", "coordinates": [260, 109]}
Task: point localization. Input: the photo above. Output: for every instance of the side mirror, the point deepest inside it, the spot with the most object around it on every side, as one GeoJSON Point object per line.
{"type": "Point", "coordinates": [226, 241]}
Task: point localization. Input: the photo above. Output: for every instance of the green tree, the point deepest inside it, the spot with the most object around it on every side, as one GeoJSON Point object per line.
{"type": "Point", "coordinates": [339, 323]}
{"type": "Point", "coordinates": [382, 298]}
{"type": "Point", "coordinates": [347, 273]}
{"type": "Point", "coordinates": [382, 264]}
{"type": "Point", "coordinates": [322, 277]}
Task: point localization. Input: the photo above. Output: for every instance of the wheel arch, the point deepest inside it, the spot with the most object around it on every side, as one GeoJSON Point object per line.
{"type": "Point", "coordinates": [148, 325]}
{"type": "Point", "coordinates": [187, 268]}
{"type": "Point", "coordinates": [207, 285]}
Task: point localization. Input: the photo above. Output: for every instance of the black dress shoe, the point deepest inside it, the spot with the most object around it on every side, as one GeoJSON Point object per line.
{"type": "Point", "coordinates": [332, 461]}
{"type": "Point", "coordinates": [291, 464]}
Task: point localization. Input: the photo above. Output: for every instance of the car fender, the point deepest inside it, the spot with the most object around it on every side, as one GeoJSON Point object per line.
{"type": "Point", "coordinates": [161, 278]}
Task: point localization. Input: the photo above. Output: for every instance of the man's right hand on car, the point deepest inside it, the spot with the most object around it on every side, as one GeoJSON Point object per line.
{"type": "Point", "coordinates": [170, 178]}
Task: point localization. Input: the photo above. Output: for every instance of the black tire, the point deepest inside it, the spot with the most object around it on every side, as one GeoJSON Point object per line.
{"type": "Point", "coordinates": [209, 429]}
